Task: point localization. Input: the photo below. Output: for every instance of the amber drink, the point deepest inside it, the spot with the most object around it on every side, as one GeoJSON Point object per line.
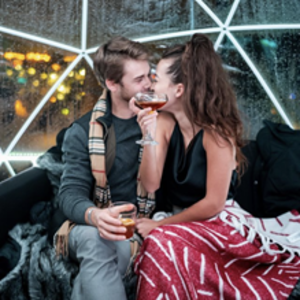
{"type": "Point", "coordinates": [155, 102]}
{"type": "Point", "coordinates": [127, 217]}
{"type": "Point", "coordinates": [130, 227]}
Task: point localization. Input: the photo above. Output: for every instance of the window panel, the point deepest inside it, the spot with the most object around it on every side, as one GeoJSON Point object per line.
{"type": "Point", "coordinates": [56, 20]}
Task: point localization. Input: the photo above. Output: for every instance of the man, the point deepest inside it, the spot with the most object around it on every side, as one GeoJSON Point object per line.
{"type": "Point", "coordinates": [99, 149]}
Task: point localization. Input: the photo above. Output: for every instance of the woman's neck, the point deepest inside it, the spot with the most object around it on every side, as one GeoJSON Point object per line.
{"type": "Point", "coordinates": [187, 129]}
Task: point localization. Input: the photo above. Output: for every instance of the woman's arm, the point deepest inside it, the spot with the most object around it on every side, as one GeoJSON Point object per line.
{"type": "Point", "coordinates": [161, 127]}
{"type": "Point", "coordinates": [154, 156]}
{"type": "Point", "coordinates": [220, 164]}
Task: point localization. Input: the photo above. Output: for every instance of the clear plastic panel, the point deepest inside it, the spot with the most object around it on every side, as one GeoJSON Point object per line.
{"type": "Point", "coordinates": [27, 72]}
{"type": "Point", "coordinates": [267, 12]}
{"type": "Point", "coordinates": [253, 101]}
{"type": "Point", "coordinates": [72, 99]}
{"type": "Point", "coordinates": [56, 20]}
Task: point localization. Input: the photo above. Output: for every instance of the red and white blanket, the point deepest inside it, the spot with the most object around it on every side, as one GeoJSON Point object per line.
{"type": "Point", "coordinates": [231, 256]}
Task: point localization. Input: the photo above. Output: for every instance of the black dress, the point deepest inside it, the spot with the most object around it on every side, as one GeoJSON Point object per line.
{"type": "Point", "coordinates": [184, 175]}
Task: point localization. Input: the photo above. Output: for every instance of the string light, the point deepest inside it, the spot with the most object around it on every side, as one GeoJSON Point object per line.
{"type": "Point", "coordinates": [82, 72]}
{"type": "Point", "coordinates": [14, 55]}
{"type": "Point", "coordinates": [52, 99]}
{"type": "Point", "coordinates": [60, 96]}
{"type": "Point", "coordinates": [44, 76]}
{"type": "Point", "coordinates": [20, 109]}
{"type": "Point", "coordinates": [53, 76]}
{"type": "Point", "coordinates": [38, 57]}
{"type": "Point", "coordinates": [36, 83]}
{"type": "Point", "coordinates": [56, 67]}
{"type": "Point", "coordinates": [65, 111]}
{"type": "Point", "coordinates": [9, 72]}
{"type": "Point", "coordinates": [69, 58]}
{"type": "Point", "coordinates": [31, 71]}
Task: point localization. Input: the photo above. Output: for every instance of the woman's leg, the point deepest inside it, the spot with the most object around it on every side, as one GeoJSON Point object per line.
{"type": "Point", "coordinates": [211, 260]}
{"type": "Point", "coordinates": [102, 264]}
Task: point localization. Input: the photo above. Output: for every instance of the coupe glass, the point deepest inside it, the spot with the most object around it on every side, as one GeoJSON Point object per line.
{"type": "Point", "coordinates": [155, 101]}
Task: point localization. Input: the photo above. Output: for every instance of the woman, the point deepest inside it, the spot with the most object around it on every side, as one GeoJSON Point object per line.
{"type": "Point", "coordinates": [197, 253]}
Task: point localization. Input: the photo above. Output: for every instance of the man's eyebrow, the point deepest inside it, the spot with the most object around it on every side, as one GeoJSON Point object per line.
{"type": "Point", "coordinates": [138, 77]}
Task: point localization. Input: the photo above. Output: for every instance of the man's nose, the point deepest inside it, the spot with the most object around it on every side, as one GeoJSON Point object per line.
{"type": "Point", "coordinates": [148, 83]}
{"type": "Point", "coordinates": [152, 86]}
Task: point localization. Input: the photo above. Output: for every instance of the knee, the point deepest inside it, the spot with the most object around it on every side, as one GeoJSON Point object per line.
{"type": "Point", "coordinates": [156, 238]}
{"type": "Point", "coordinates": [87, 235]}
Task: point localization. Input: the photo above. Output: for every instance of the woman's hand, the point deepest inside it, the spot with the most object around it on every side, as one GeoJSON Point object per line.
{"type": "Point", "coordinates": [144, 226]}
{"type": "Point", "coordinates": [145, 117]}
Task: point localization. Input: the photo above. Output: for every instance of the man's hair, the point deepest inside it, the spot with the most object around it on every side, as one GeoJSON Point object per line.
{"type": "Point", "coordinates": [110, 58]}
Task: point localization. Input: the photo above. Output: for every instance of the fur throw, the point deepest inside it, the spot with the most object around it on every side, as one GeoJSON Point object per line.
{"type": "Point", "coordinates": [39, 274]}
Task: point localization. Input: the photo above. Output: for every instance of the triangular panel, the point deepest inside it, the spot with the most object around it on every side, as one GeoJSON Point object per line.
{"type": "Point", "coordinates": [19, 166]}
{"type": "Point", "coordinates": [276, 56]}
{"type": "Point", "coordinates": [267, 12]}
{"type": "Point", "coordinates": [73, 98]}
{"type": "Point", "coordinates": [220, 8]}
{"type": "Point", "coordinates": [28, 70]}
{"type": "Point", "coordinates": [55, 20]}
{"type": "Point", "coordinates": [253, 101]}
{"type": "Point", "coordinates": [4, 174]}
{"type": "Point", "coordinates": [135, 19]}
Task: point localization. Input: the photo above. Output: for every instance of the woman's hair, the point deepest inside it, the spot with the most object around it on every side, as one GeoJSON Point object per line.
{"type": "Point", "coordinates": [209, 100]}
{"type": "Point", "coordinates": [110, 57]}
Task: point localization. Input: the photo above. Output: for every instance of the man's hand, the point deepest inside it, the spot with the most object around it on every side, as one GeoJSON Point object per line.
{"type": "Point", "coordinates": [108, 224]}
{"type": "Point", "coordinates": [144, 226]}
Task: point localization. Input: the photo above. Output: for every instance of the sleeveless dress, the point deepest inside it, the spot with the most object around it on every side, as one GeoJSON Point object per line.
{"type": "Point", "coordinates": [230, 256]}
{"type": "Point", "coordinates": [184, 176]}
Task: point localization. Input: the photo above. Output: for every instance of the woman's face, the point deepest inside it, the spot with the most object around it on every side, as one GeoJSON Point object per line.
{"type": "Point", "coordinates": [162, 82]}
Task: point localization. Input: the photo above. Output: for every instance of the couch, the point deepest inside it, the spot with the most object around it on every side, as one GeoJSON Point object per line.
{"type": "Point", "coordinates": [28, 217]}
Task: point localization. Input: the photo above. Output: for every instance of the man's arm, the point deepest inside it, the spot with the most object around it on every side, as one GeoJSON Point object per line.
{"type": "Point", "coordinates": [77, 180]}
{"type": "Point", "coordinates": [77, 184]}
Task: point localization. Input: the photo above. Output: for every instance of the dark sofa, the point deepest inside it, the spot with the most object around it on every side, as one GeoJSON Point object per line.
{"type": "Point", "coordinates": [20, 194]}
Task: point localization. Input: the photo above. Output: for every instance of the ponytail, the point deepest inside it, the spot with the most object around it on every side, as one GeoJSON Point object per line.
{"type": "Point", "coordinates": [209, 100]}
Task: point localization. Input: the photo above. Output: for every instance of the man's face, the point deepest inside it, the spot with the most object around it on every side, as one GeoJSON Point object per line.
{"type": "Point", "coordinates": [136, 78]}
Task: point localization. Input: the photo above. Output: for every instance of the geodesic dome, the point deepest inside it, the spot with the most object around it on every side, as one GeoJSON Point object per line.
{"type": "Point", "coordinates": [47, 47]}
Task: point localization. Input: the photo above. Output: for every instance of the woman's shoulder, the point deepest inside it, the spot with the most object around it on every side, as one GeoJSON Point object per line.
{"type": "Point", "coordinates": [166, 118]}
{"type": "Point", "coordinates": [166, 122]}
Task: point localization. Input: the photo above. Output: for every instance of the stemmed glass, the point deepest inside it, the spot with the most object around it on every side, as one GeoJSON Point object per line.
{"type": "Point", "coordinates": [155, 101]}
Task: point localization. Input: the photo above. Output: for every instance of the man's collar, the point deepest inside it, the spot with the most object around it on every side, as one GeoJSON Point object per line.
{"type": "Point", "coordinates": [107, 117]}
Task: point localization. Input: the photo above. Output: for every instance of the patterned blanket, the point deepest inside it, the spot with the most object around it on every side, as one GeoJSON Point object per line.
{"type": "Point", "coordinates": [231, 256]}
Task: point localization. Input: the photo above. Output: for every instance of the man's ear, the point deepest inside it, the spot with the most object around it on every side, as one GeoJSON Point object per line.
{"type": "Point", "coordinates": [111, 85]}
{"type": "Point", "coordinates": [179, 90]}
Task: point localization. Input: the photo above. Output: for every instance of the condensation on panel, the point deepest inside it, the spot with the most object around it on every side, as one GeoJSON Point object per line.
{"type": "Point", "coordinates": [27, 72]}
{"type": "Point", "coordinates": [253, 102]}
{"type": "Point", "coordinates": [157, 48]}
{"type": "Point", "coordinates": [76, 95]}
{"type": "Point", "coordinates": [4, 174]}
{"type": "Point", "coordinates": [135, 19]}
{"type": "Point", "coordinates": [220, 8]}
{"type": "Point", "coordinates": [20, 166]}
{"type": "Point", "coordinates": [267, 12]}
{"type": "Point", "coordinates": [56, 20]}
{"type": "Point", "coordinates": [276, 56]}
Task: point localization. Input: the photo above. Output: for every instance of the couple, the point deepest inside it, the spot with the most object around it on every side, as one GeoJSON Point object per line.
{"type": "Point", "coordinates": [196, 164]}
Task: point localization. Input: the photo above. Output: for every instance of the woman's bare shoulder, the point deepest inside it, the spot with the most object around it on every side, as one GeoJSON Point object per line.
{"type": "Point", "coordinates": [166, 123]}
{"type": "Point", "coordinates": [166, 118]}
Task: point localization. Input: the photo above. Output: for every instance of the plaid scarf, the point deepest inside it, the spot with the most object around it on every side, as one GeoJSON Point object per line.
{"type": "Point", "coordinates": [97, 150]}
